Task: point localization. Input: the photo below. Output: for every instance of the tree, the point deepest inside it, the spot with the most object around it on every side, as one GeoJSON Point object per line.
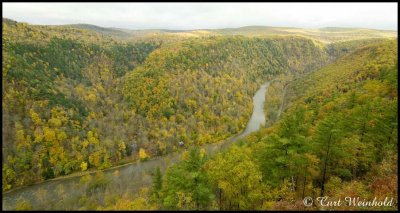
{"type": "Point", "coordinates": [143, 155]}
{"type": "Point", "coordinates": [157, 182]}
{"type": "Point", "coordinates": [328, 134]}
{"type": "Point", "coordinates": [186, 185]}
{"type": "Point", "coordinates": [236, 179]}
{"type": "Point", "coordinates": [84, 166]}
{"type": "Point", "coordinates": [8, 177]}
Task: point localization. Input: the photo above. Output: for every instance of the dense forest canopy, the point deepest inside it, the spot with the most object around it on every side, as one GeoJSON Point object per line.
{"type": "Point", "coordinates": [199, 91]}
{"type": "Point", "coordinates": [57, 96]}
{"type": "Point", "coordinates": [79, 98]}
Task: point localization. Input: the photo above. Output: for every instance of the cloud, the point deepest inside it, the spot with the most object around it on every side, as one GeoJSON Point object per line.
{"type": "Point", "coordinates": [207, 15]}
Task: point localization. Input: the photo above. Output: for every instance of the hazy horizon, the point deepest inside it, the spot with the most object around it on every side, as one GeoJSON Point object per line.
{"type": "Point", "coordinates": [198, 16]}
{"type": "Point", "coordinates": [197, 29]}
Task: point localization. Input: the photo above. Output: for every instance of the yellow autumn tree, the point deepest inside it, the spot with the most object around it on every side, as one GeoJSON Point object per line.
{"type": "Point", "coordinates": [35, 117]}
{"type": "Point", "coordinates": [143, 155]}
{"type": "Point", "coordinates": [84, 166]}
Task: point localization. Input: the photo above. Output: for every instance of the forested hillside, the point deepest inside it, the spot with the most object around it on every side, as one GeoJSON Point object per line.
{"type": "Point", "coordinates": [326, 35]}
{"type": "Point", "coordinates": [337, 138]}
{"type": "Point", "coordinates": [81, 98]}
{"type": "Point", "coordinates": [199, 91]}
{"type": "Point", "coordinates": [62, 111]}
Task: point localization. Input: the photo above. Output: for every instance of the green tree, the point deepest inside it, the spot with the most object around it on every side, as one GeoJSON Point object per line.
{"type": "Point", "coordinates": [186, 185]}
{"type": "Point", "coordinates": [328, 135]}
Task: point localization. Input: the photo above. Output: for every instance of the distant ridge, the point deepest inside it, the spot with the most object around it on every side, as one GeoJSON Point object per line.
{"type": "Point", "coordinates": [325, 34]}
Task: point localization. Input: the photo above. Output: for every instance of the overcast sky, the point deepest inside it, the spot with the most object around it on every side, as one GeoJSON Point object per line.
{"type": "Point", "coordinates": [207, 15]}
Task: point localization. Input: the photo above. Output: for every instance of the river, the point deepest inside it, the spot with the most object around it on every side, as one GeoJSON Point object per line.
{"type": "Point", "coordinates": [67, 193]}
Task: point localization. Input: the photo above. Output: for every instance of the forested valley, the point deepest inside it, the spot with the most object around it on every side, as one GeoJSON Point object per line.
{"type": "Point", "coordinates": [79, 101]}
